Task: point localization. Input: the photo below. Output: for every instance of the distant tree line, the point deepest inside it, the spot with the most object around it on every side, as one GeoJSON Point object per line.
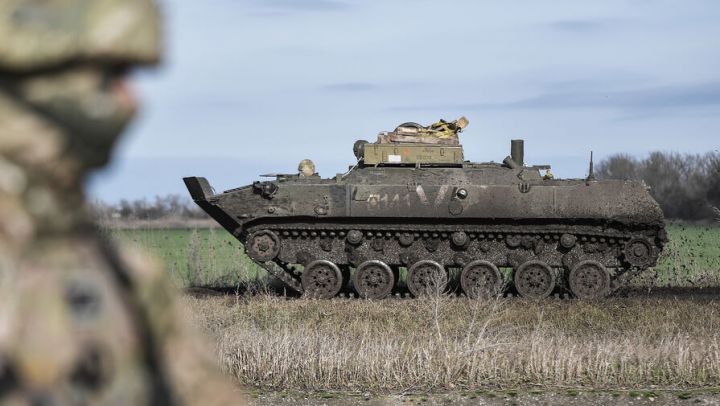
{"type": "Point", "coordinates": [163, 207]}
{"type": "Point", "coordinates": [687, 186]}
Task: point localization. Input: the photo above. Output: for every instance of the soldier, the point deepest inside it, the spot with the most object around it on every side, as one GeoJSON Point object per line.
{"type": "Point", "coordinates": [80, 321]}
{"type": "Point", "coordinates": [306, 168]}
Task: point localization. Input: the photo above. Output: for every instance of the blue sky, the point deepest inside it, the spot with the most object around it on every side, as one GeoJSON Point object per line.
{"type": "Point", "coordinates": [254, 86]}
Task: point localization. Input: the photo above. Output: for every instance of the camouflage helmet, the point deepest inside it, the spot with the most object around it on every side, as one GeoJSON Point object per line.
{"type": "Point", "coordinates": [66, 62]}
{"type": "Point", "coordinates": [38, 34]}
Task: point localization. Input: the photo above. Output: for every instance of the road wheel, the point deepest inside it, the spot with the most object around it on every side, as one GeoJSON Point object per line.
{"type": "Point", "coordinates": [321, 279]}
{"type": "Point", "coordinates": [426, 277]}
{"type": "Point", "coordinates": [480, 279]}
{"type": "Point", "coordinates": [534, 279]}
{"type": "Point", "coordinates": [373, 280]}
{"type": "Point", "coordinates": [589, 280]}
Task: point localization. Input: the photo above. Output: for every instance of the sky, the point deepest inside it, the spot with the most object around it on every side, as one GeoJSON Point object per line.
{"type": "Point", "coordinates": [250, 87]}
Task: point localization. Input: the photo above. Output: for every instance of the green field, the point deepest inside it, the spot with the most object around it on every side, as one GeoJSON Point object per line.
{"type": "Point", "coordinates": [692, 258]}
{"type": "Point", "coordinates": [199, 257]}
{"type": "Point", "coordinates": [212, 257]}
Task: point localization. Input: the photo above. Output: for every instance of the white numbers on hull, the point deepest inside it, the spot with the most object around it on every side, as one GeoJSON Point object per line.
{"type": "Point", "coordinates": [389, 201]}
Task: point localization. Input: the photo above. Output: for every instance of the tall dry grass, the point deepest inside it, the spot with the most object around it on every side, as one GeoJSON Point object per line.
{"type": "Point", "coordinates": [440, 343]}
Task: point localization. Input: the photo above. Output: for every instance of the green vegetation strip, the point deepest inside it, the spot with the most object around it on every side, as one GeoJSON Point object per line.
{"type": "Point", "coordinates": [213, 258]}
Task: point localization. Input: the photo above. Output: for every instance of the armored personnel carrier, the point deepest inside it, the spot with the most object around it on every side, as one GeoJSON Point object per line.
{"type": "Point", "coordinates": [412, 201]}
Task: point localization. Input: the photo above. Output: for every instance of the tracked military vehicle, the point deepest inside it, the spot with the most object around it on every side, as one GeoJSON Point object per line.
{"type": "Point", "coordinates": [412, 201]}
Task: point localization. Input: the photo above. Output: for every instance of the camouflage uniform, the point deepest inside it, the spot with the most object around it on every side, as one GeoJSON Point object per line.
{"type": "Point", "coordinates": [81, 322]}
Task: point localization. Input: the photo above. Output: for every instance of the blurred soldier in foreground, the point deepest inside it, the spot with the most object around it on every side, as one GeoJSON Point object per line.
{"type": "Point", "coordinates": [80, 321]}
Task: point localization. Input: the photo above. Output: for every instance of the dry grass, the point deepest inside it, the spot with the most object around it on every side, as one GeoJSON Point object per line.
{"type": "Point", "coordinates": [441, 343]}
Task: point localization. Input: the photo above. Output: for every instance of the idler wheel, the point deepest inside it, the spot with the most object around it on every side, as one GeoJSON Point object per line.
{"type": "Point", "coordinates": [639, 252]}
{"type": "Point", "coordinates": [534, 279]}
{"type": "Point", "coordinates": [263, 246]}
{"type": "Point", "coordinates": [480, 279]}
{"type": "Point", "coordinates": [373, 280]}
{"type": "Point", "coordinates": [321, 279]}
{"type": "Point", "coordinates": [589, 280]}
{"type": "Point", "coordinates": [426, 277]}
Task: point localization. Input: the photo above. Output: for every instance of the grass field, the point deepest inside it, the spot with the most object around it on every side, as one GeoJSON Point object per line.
{"type": "Point", "coordinates": [692, 258]}
{"type": "Point", "coordinates": [206, 257]}
{"type": "Point", "coordinates": [450, 344]}
{"type": "Point", "coordinates": [213, 258]}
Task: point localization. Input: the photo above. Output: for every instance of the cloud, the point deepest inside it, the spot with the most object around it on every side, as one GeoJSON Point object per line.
{"type": "Point", "coordinates": [704, 94]}
{"type": "Point", "coordinates": [645, 100]}
{"type": "Point", "coordinates": [287, 6]}
{"type": "Point", "coordinates": [357, 87]}
{"type": "Point", "coordinates": [349, 87]}
{"type": "Point", "coordinates": [581, 26]}
{"type": "Point", "coordinates": [606, 79]}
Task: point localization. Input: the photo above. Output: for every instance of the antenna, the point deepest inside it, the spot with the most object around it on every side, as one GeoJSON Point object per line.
{"type": "Point", "coordinates": [591, 172]}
